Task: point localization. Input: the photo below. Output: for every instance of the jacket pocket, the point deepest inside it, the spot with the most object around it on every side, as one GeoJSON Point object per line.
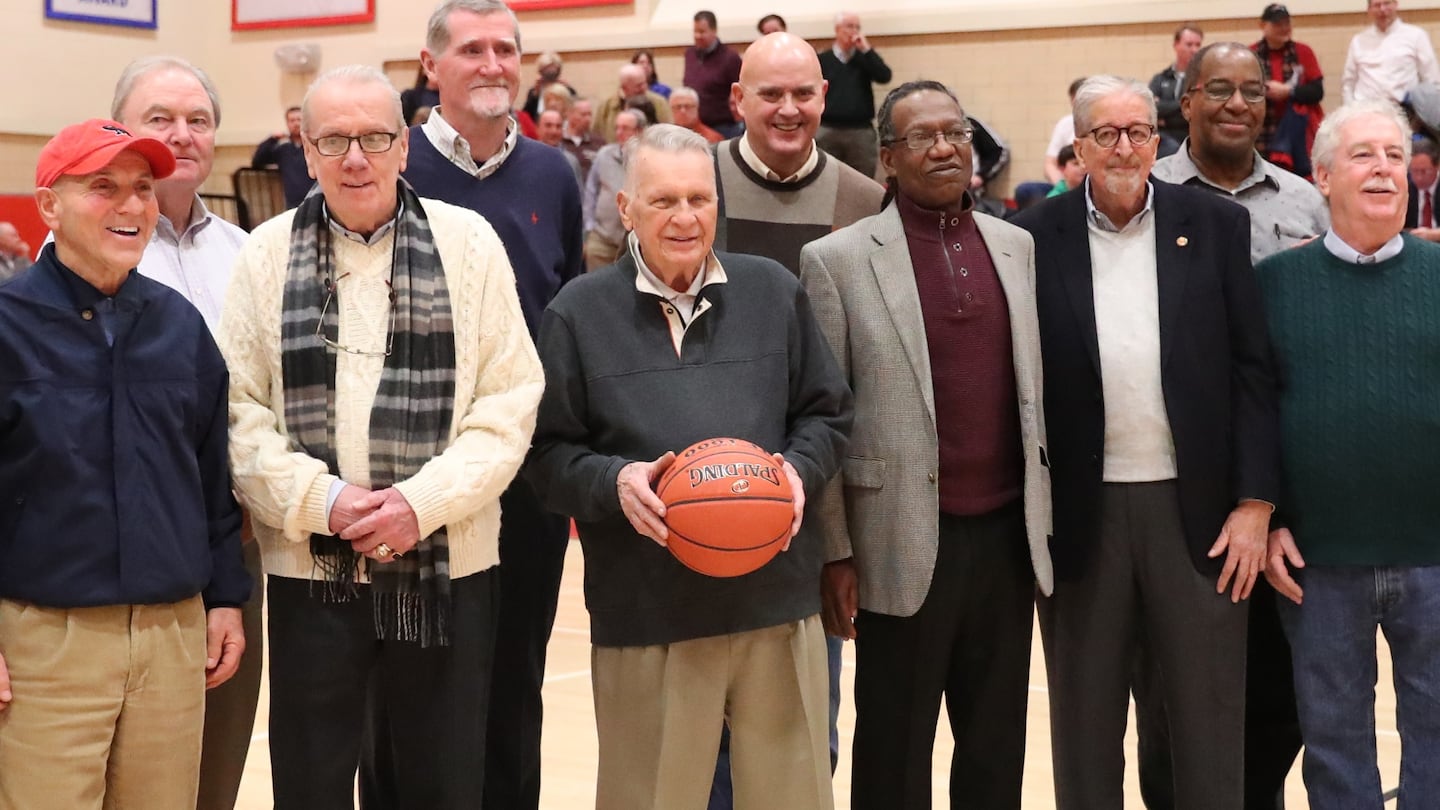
{"type": "Point", "coordinates": [866, 473]}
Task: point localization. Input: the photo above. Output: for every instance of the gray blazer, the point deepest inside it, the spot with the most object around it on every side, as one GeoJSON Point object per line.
{"type": "Point", "coordinates": [883, 508]}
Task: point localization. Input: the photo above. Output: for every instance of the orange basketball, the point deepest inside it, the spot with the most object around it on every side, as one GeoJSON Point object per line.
{"type": "Point", "coordinates": [728, 506]}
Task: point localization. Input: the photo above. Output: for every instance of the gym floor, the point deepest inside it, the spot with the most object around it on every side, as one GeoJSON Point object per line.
{"type": "Point", "coordinates": [570, 748]}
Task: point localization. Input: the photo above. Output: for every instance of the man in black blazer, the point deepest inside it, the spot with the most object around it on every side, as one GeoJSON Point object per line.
{"type": "Point", "coordinates": [1160, 410]}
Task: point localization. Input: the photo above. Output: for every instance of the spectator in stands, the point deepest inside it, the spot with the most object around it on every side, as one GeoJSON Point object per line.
{"type": "Point", "coordinates": [192, 252]}
{"type": "Point", "coordinates": [1224, 101]}
{"type": "Point", "coordinates": [469, 155]}
{"type": "Point", "coordinates": [632, 83]}
{"type": "Point", "coordinates": [1353, 322]}
{"type": "Point", "coordinates": [14, 252]}
{"type": "Point", "coordinates": [1420, 211]}
{"type": "Point", "coordinates": [645, 58]}
{"type": "Point", "coordinates": [604, 232]}
{"type": "Point", "coordinates": [1294, 88]}
{"type": "Point", "coordinates": [685, 106]}
{"type": "Point", "coordinates": [423, 95]}
{"type": "Point", "coordinates": [852, 68]}
{"type": "Point", "coordinates": [121, 590]}
{"type": "Point", "coordinates": [551, 131]}
{"type": "Point", "coordinates": [284, 151]}
{"type": "Point", "coordinates": [1072, 172]}
{"type": "Point", "coordinates": [580, 140]}
{"type": "Point", "coordinates": [1389, 57]}
{"type": "Point", "coordinates": [711, 68]}
{"type": "Point", "coordinates": [1061, 136]}
{"type": "Point", "coordinates": [1166, 86]}
{"type": "Point", "coordinates": [992, 156]}
{"type": "Point", "coordinates": [642, 105]}
{"type": "Point", "coordinates": [549, 65]}
{"type": "Point", "coordinates": [771, 23]}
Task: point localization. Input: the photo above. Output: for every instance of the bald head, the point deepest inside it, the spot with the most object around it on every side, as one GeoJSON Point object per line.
{"type": "Point", "coordinates": [781, 95]}
{"type": "Point", "coordinates": [632, 80]}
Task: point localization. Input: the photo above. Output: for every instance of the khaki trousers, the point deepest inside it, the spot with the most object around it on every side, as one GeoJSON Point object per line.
{"type": "Point", "coordinates": [109, 706]}
{"type": "Point", "coordinates": [659, 711]}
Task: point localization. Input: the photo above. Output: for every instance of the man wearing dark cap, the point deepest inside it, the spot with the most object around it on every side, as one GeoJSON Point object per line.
{"type": "Point", "coordinates": [122, 584]}
{"type": "Point", "coordinates": [1294, 88]}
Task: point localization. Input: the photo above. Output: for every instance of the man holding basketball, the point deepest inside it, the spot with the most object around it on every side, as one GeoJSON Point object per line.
{"type": "Point", "coordinates": [936, 528]}
{"type": "Point", "coordinates": [671, 345]}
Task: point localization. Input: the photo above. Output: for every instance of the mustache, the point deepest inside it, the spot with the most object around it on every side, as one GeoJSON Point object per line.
{"type": "Point", "coordinates": [1381, 184]}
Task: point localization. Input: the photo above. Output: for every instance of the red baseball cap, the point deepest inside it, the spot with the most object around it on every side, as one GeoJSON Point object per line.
{"type": "Point", "coordinates": [80, 149]}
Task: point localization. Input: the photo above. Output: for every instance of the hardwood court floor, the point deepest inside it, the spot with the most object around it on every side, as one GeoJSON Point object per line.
{"type": "Point", "coordinates": [570, 749]}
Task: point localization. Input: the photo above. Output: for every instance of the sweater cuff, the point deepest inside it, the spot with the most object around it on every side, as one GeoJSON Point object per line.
{"type": "Point", "coordinates": [313, 507]}
{"type": "Point", "coordinates": [427, 502]}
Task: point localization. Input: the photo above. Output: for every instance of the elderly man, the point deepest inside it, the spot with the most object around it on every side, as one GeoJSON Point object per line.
{"type": "Point", "coordinates": [192, 251]}
{"type": "Point", "coordinates": [851, 69]}
{"type": "Point", "coordinates": [121, 591]}
{"type": "Point", "coordinates": [14, 252]}
{"type": "Point", "coordinates": [1224, 101]}
{"type": "Point", "coordinates": [937, 527]}
{"type": "Point", "coordinates": [685, 106]}
{"type": "Point", "coordinates": [604, 231]}
{"type": "Point", "coordinates": [711, 68]}
{"type": "Point", "coordinates": [676, 652]}
{"type": "Point", "coordinates": [470, 154]}
{"type": "Point", "coordinates": [633, 84]}
{"type": "Point", "coordinates": [1294, 88]}
{"type": "Point", "coordinates": [1389, 57]}
{"type": "Point", "coordinates": [383, 398]}
{"type": "Point", "coordinates": [1354, 323]}
{"type": "Point", "coordinates": [1168, 84]}
{"type": "Point", "coordinates": [284, 151]}
{"type": "Point", "coordinates": [1159, 403]}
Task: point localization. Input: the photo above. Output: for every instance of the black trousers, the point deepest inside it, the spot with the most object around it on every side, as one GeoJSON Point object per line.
{"type": "Point", "coordinates": [1272, 724]}
{"type": "Point", "coordinates": [230, 707]}
{"type": "Point", "coordinates": [970, 643]}
{"type": "Point", "coordinates": [330, 678]}
{"type": "Point", "coordinates": [532, 559]}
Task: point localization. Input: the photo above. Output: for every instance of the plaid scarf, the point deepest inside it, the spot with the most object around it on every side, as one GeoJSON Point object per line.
{"type": "Point", "coordinates": [411, 415]}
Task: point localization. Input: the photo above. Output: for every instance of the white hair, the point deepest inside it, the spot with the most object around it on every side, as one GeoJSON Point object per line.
{"type": "Point", "coordinates": [1097, 88]}
{"type": "Point", "coordinates": [1327, 138]}
{"type": "Point", "coordinates": [667, 138]}
{"type": "Point", "coordinates": [354, 75]}
{"type": "Point", "coordinates": [149, 64]}
{"type": "Point", "coordinates": [684, 92]}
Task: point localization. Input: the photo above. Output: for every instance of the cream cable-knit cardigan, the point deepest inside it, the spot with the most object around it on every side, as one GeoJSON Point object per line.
{"type": "Point", "coordinates": [498, 382]}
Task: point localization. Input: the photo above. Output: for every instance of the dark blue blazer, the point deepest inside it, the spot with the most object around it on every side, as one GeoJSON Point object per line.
{"type": "Point", "coordinates": [1217, 373]}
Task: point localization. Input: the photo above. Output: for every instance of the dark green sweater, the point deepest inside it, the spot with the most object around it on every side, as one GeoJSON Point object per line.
{"type": "Point", "coordinates": [1358, 352]}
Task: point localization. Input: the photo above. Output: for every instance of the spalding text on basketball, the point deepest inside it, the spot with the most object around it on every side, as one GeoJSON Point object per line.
{"type": "Point", "coordinates": [719, 472]}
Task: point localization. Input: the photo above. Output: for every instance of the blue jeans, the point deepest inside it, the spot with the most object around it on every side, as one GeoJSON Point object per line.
{"type": "Point", "coordinates": [1332, 640]}
{"type": "Point", "coordinates": [721, 793]}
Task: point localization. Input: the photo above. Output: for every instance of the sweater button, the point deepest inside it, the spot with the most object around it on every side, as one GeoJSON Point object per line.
{"type": "Point", "coordinates": [931, 477]}
{"type": "Point", "coordinates": [87, 314]}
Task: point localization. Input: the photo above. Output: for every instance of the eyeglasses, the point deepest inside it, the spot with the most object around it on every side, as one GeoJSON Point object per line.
{"type": "Point", "coordinates": [389, 332]}
{"type": "Point", "coordinates": [1221, 90]}
{"type": "Point", "coordinates": [923, 141]}
{"type": "Point", "coordinates": [371, 142]}
{"type": "Point", "coordinates": [1107, 137]}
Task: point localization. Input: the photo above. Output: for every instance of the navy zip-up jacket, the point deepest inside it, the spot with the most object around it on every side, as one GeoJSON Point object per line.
{"type": "Point", "coordinates": [114, 478]}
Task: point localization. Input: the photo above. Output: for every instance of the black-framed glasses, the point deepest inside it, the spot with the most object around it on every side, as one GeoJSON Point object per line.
{"type": "Point", "coordinates": [1107, 136]}
{"type": "Point", "coordinates": [371, 142]}
{"type": "Point", "coordinates": [389, 331]}
{"type": "Point", "coordinates": [1221, 90]}
{"type": "Point", "coordinates": [923, 141]}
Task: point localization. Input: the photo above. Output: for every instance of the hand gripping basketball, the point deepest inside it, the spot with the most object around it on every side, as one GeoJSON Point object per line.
{"type": "Point", "coordinates": [644, 510]}
{"type": "Point", "coordinates": [729, 506]}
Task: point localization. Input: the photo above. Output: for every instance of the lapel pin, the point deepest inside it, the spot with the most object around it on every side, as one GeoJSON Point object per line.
{"type": "Point", "coordinates": [1182, 241]}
